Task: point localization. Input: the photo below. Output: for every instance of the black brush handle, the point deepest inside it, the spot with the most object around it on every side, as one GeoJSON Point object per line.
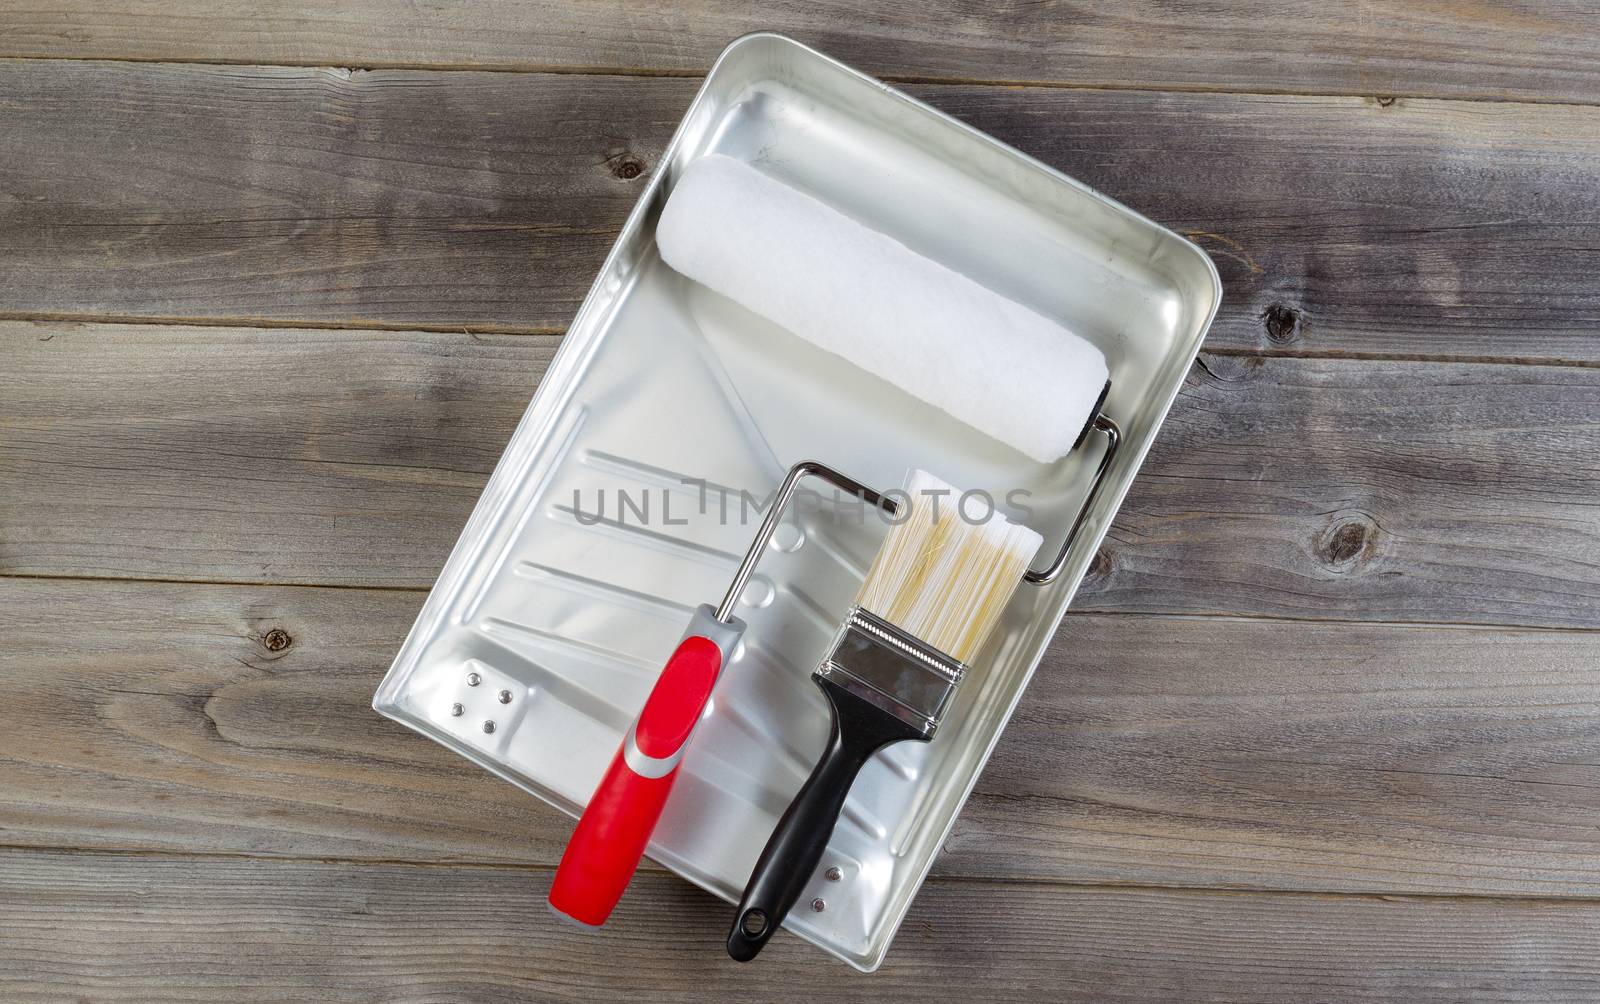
{"type": "Point", "coordinates": [858, 730]}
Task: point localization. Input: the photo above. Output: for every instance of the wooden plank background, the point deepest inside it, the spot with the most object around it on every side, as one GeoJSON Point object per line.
{"type": "Point", "coordinates": [454, 932]}
{"type": "Point", "coordinates": [1523, 49]}
{"type": "Point", "coordinates": [277, 280]}
{"type": "Point", "coordinates": [486, 201]}
{"type": "Point", "coordinates": [1285, 486]}
{"type": "Point", "coordinates": [1193, 751]}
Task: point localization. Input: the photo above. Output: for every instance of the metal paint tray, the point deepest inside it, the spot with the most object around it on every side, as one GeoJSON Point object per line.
{"type": "Point", "coordinates": [661, 385]}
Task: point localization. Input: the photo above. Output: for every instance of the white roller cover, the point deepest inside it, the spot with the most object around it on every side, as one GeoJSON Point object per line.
{"type": "Point", "coordinates": [992, 363]}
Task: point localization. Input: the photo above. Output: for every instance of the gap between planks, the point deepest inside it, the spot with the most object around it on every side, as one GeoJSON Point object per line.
{"type": "Point", "coordinates": [1421, 625]}
{"type": "Point", "coordinates": [272, 323]}
{"type": "Point", "coordinates": [897, 79]}
{"type": "Point", "coordinates": [471, 330]}
{"type": "Point", "coordinates": [649, 867]}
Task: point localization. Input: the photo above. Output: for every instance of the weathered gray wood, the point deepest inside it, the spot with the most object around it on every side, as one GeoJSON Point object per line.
{"type": "Point", "coordinates": [1392, 491]}
{"type": "Point", "coordinates": [1527, 50]}
{"type": "Point", "coordinates": [1149, 750]}
{"type": "Point", "coordinates": [1213, 751]}
{"type": "Point", "coordinates": [1300, 487]}
{"type": "Point", "coordinates": [258, 193]}
{"type": "Point", "coordinates": [275, 455]}
{"type": "Point", "coordinates": [162, 716]}
{"type": "Point", "coordinates": [231, 721]}
{"type": "Point", "coordinates": [113, 928]}
{"type": "Point", "coordinates": [1417, 228]}
{"type": "Point", "coordinates": [487, 200]}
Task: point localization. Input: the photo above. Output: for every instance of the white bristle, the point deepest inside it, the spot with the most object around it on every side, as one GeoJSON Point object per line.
{"type": "Point", "coordinates": [942, 578]}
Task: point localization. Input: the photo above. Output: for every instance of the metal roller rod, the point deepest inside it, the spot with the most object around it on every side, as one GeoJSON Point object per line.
{"type": "Point", "coordinates": [769, 525]}
{"type": "Point", "coordinates": [1113, 433]}
{"type": "Point", "coordinates": [1103, 423]}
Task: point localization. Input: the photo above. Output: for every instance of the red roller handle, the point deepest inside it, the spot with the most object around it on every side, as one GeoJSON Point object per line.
{"type": "Point", "coordinates": [605, 849]}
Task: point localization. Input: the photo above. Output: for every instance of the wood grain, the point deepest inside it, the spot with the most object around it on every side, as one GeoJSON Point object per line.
{"type": "Point", "coordinates": [1259, 754]}
{"type": "Point", "coordinates": [156, 716]}
{"type": "Point", "coordinates": [1545, 52]}
{"type": "Point", "coordinates": [276, 455]}
{"type": "Point", "coordinates": [1292, 487]}
{"type": "Point", "coordinates": [1149, 750]}
{"type": "Point", "coordinates": [487, 201]}
{"type": "Point", "coordinates": [259, 194]}
{"type": "Point", "coordinates": [177, 758]}
{"type": "Point", "coordinates": [1360, 489]}
{"type": "Point", "coordinates": [1344, 226]}
{"type": "Point", "coordinates": [109, 928]}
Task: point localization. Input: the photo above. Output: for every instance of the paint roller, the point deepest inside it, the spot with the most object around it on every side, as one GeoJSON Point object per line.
{"type": "Point", "coordinates": [938, 335]}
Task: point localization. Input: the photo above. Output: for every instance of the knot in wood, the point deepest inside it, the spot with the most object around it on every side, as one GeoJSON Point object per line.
{"type": "Point", "coordinates": [1100, 567]}
{"type": "Point", "coordinates": [276, 640]}
{"type": "Point", "coordinates": [1344, 543]}
{"type": "Point", "coordinates": [1283, 323]}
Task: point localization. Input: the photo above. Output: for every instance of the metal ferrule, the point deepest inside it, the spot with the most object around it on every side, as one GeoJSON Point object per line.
{"type": "Point", "coordinates": [892, 670]}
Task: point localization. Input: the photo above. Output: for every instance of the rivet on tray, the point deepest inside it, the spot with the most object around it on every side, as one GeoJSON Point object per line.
{"type": "Point", "coordinates": [817, 905]}
{"type": "Point", "coordinates": [833, 874]}
{"type": "Point", "coordinates": [457, 710]}
{"type": "Point", "coordinates": [473, 679]}
{"type": "Point", "coordinates": [505, 697]}
{"type": "Point", "coordinates": [488, 727]}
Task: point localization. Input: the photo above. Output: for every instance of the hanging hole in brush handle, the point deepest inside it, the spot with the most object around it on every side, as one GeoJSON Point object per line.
{"type": "Point", "coordinates": [790, 859]}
